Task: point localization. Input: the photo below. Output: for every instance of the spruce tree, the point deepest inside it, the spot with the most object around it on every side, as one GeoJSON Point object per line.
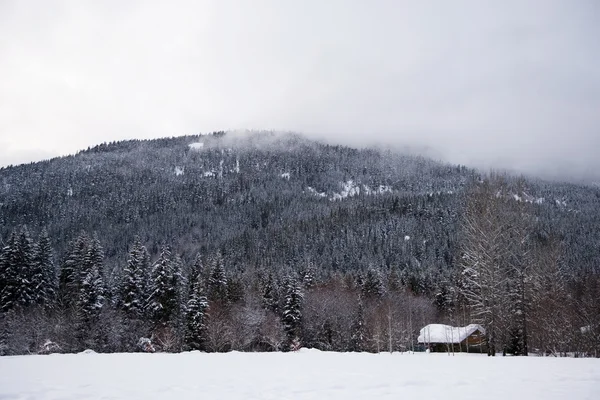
{"type": "Point", "coordinates": [292, 313]}
{"type": "Point", "coordinates": [91, 296]}
{"type": "Point", "coordinates": [269, 294]}
{"type": "Point", "coordinates": [132, 288]}
{"type": "Point", "coordinates": [70, 277]}
{"type": "Point", "coordinates": [198, 268]}
{"type": "Point", "coordinates": [24, 268]}
{"type": "Point", "coordinates": [217, 282]}
{"type": "Point", "coordinates": [197, 305]}
{"type": "Point", "coordinates": [372, 286]}
{"type": "Point", "coordinates": [9, 274]}
{"type": "Point", "coordinates": [162, 301]}
{"type": "Point", "coordinates": [44, 275]}
{"type": "Point", "coordinates": [308, 278]}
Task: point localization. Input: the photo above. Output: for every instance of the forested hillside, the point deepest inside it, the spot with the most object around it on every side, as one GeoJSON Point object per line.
{"type": "Point", "coordinates": [269, 241]}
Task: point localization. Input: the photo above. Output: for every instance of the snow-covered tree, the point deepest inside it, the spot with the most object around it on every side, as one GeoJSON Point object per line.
{"type": "Point", "coordinates": [162, 302]}
{"type": "Point", "coordinates": [308, 276]}
{"type": "Point", "coordinates": [196, 315]}
{"type": "Point", "coordinates": [9, 274]}
{"type": "Point", "coordinates": [372, 286]}
{"type": "Point", "coordinates": [70, 276]}
{"type": "Point", "coordinates": [43, 277]}
{"type": "Point", "coordinates": [217, 282]}
{"type": "Point", "coordinates": [16, 268]}
{"type": "Point", "coordinates": [482, 281]}
{"type": "Point", "coordinates": [292, 312]}
{"type": "Point", "coordinates": [91, 297]}
{"type": "Point", "coordinates": [133, 281]}
{"type": "Point", "coordinates": [269, 294]}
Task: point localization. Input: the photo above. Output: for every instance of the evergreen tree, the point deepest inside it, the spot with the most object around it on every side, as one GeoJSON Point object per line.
{"type": "Point", "coordinates": [196, 308]}
{"type": "Point", "coordinates": [9, 275]}
{"type": "Point", "coordinates": [198, 268]}
{"type": "Point", "coordinates": [24, 268]}
{"type": "Point", "coordinates": [70, 278]}
{"type": "Point", "coordinates": [91, 297]}
{"type": "Point", "coordinates": [16, 268]}
{"type": "Point", "coordinates": [372, 286]}
{"type": "Point", "coordinates": [308, 279]}
{"type": "Point", "coordinates": [132, 289]}
{"type": "Point", "coordinates": [269, 294]}
{"type": "Point", "coordinates": [162, 302]}
{"type": "Point", "coordinates": [43, 275]}
{"type": "Point", "coordinates": [292, 312]}
{"type": "Point", "coordinates": [217, 282]}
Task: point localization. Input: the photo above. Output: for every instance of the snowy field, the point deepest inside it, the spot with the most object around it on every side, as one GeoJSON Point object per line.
{"type": "Point", "coordinates": [307, 374]}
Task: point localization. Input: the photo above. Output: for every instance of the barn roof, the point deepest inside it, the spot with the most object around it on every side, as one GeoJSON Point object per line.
{"type": "Point", "coordinates": [438, 333]}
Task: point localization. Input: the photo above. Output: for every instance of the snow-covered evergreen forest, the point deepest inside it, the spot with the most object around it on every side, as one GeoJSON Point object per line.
{"type": "Point", "coordinates": [270, 242]}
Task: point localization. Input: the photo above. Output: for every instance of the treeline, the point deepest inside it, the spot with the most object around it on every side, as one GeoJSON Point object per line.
{"type": "Point", "coordinates": [166, 305]}
{"type": "Point", "coordinates": [510, 283]}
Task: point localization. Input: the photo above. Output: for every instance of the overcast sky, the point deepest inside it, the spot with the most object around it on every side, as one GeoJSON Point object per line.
{"type": "Point", "coordinates": [513, 84]}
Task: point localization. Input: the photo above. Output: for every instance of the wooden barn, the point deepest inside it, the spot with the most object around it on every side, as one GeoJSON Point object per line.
{"type": "Point", "coordinates": [445, 338]}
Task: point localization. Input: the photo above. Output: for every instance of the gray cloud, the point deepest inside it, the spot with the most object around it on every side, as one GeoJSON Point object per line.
{"type": "Point", "coordinates": [512, 84]}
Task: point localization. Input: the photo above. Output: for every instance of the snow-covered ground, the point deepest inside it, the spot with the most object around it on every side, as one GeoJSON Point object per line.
{"type": "Point", "coordinates": [307, 374]}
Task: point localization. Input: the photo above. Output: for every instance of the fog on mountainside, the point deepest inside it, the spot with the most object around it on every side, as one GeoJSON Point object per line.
{"type": "Point", "coordinates": [513, 85]}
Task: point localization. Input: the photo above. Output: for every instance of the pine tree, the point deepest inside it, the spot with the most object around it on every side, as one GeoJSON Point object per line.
{"type": "Point", "coordinates": [24, 264]}
{"type": "Point", "coordinates": [91, 297]}
{"type": "Point", "coordinates": [162, 301]}
{"type": "Point", "coordinates": [16, 270]}
{"type": "Point", "coordinates": [372, 286]}
{"type": "Point", "coordinates": [133, 282]}
{"type": "Point", "coordinates": [9, 274]}
{"type": "Point", "coordinates": [308, 279]}
{"type": "Point", "coordinates": [196, 308]}
{"type": "Point", "coordinates": [70, 273]}
{"type": "Point", "coordinates": [269, 294]}
{"type": "Point", "coordinates": [217, 282]}
{"type": "Point", "coordinates": [198, 268]}
{"type": "Point", "coordinates": [292, 312]}
{"type": "Point", "coordinates": [44, 275]}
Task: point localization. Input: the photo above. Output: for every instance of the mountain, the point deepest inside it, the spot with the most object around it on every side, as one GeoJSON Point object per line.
{"type": "Point", "coordinates": [266, 198]}
{"type": "Point", "coordinates": [282, 205]}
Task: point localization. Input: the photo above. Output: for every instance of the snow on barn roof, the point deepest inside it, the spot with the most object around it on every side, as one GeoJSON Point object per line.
{"type": "Point", "coordinates": [438, 333]}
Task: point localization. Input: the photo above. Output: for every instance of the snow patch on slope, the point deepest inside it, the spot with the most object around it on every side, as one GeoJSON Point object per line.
{"type": "Point", "coordinates": [379, 190]}
{"type": "Point", "coordinates": [349, 189]}
{"type": "Point", "coordinates": [315, 192]}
